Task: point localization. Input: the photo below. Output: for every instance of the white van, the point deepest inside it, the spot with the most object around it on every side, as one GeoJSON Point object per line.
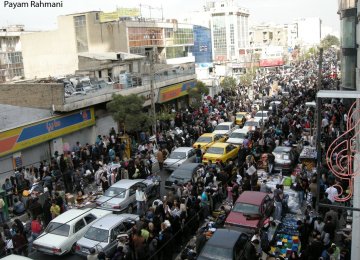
{"type": "Point", "coordinates": [60, 236]}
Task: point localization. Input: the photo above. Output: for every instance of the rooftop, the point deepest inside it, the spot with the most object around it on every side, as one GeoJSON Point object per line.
{"type": "Point", "coordinates": [111, 56]}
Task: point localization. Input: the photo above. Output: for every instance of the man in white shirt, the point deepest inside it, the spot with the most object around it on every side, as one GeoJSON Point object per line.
{"type": "Point", "coordinates": [332, 193]}
{"type": "Point", "coordinates": [140, 201]}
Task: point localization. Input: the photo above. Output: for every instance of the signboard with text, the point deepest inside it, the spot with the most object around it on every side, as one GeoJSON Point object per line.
{"type": "Point", "coordinates": [175, 91]}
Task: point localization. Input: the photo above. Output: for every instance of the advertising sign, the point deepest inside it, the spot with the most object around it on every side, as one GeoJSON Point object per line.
{"type": "Point", "coordinates": [175, 91]}
{"type": "Point", "coordinates": [120, 12]}
{"type": "Point", "coordinates": [26, 136]}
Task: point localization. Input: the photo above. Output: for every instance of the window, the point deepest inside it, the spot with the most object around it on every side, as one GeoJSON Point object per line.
{"type": "Point", "coordinates": [117, 231]}
{"type": "Point", "coordinates": [59, 229]}
{"type": "Point", "coordinates": [81, 33]}
{"type": "Point", "coordinates": [132, 190]}
{"type": "Point", "coordinates": [97, 234]}
{"type": "Point", "coordinates": [14, 57]}
{"type": "Point", "coordinates": [89, 218]}
{"type": "Point", "coordinates": [79, 225]}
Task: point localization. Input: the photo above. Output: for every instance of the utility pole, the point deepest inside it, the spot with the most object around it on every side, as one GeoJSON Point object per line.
{"type": "Point", "coordinates": [153, 59]}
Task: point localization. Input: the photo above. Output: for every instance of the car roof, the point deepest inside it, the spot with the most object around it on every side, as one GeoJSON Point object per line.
{"type": "Point", "coordinates": [242, 113]}
{"type": "Point", "coordinates": [187, 166]}
{"type": "Point", "coordinates": [73, 215]}
{"type": "Point", "coordinates": [111, 220]}
{"type": "Point", "coordinates": [224, 238]}
{"type": "Point", "coordinates": [282, 149]}
{"type": "Point", "coordinates": [182, 149]}
{"type": "Point", "coordinates": [252, 197]}
{"type": "Point", "coordinates": [208, 134]}
{"type": "Point", "coordinates": [263, 111]}
{"type": "Point", "coordinates": [226, 123]}
{"type": "Point", "coordinates": [125, 183]}
{"type": "Point", "coordinates": [221, 145]}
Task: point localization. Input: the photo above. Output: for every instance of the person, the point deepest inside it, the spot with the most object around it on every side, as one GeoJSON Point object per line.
{"type": "Point", "coordinates": [140, 200]}
{"type": "Point", "coordinates": [36, 208]}
{"type": "Point", "coordinates": [101, 256]}
{"type": "Point", "coordinates": [46, 211]}
{"type": "Point", "coordinates": [20, 243]}
{"type": "Point", "coordinates": [3, 250]}
{"type": "Point", "coordinates": [278, 195]}
{"type": "Point", "coordinates": [92, 255]}
{"type": "Point", "coordinates": [19, 207]}
{"type": "Point", "coordinates": [8, 188]}
{"type": "Point", "coordinates": [250, 250]}
{"type": "Point", "coordinates": [36, 227]}
{"type": "Point", "coordinates": [54, 209]}
{"type": "Point", "coordinates": [294, 256]}
{"type": "Point", "coordinates": [332, 193]}
{"type": "Point", "coordinates": [160, 158]}
{"type": "Point", "coordinates": [198, 154]}
{"type": "Point", "coordinates": [2, 205]}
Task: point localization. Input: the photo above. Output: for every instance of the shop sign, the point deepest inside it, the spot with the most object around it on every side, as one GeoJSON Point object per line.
{"type": "Point", "coordinates": [29, 135]}
{"type": "Point", "coordinates": [175, 91]}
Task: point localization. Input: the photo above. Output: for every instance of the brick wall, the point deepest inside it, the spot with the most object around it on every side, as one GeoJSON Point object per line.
{"type": "Point", "coordinates": [37, 95]}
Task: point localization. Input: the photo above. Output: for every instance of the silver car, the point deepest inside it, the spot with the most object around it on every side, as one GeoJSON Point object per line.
{"type": "Point", "coordinates": [102, 234]}
{"type": "Point", "coordinates": [179, 156]}
{"type": "Point", "coordinates": [121, 195]}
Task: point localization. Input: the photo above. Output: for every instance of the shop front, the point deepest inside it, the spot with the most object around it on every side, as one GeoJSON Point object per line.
{"type": "Point", "coordinates": [176, 95]}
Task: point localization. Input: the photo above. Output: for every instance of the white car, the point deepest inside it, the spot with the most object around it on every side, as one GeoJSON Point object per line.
{"type": "Point", "coordinates": [262, 115]}
{"type": "Point", "coordinates": [237, 137]}
{"type": "Point", "coordinates": [252, 124]}
{"type": "Point", "coordinates": [225, 128]}
{"type": "Point", "coordinates": [60, 236]}
{"type": "Point", "coordinates": [179, 156]}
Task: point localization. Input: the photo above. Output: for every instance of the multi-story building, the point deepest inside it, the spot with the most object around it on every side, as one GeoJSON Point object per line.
{"type": "Point", "coordinates": [56, 52]}
{"type": "Point", "coordinates": [308, 31]}
{"type": "Point", "coordinates": [11, 65]}
{"type": "Point", "coordinates": [268, 35]}
{"type": "Point", "coordinates": [229, 30]}
{"type": "Point", "coordinates": [292, 33]}
{"type": "Point", "coordinates": [349, 44]}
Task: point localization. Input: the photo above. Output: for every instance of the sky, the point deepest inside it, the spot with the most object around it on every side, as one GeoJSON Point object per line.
{"type": "Point", "coordinates": [278, 11]}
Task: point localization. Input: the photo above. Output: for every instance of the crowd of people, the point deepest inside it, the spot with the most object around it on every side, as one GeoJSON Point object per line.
{"type": "Point", "coordinates": [167, 222]}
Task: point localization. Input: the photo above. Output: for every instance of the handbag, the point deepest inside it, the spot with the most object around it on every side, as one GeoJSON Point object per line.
{"type": "Point", "coordinates": [251, 170]}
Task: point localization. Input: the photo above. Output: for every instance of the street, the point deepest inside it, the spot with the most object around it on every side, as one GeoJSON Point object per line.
{"type": "Point", "coordinates": [40, 256]}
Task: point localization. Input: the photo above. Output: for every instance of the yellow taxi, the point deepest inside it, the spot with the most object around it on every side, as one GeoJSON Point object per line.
{"type": "Point", "coordinates": [241, 117]}
{"type": "Point", "coordinates": [220, 152]}
{"type": "Point", "coordinates": [208, 139]}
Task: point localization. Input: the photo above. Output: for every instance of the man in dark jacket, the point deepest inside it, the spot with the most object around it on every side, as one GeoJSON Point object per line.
{"type": "Point", "coordinates": [250, 250]}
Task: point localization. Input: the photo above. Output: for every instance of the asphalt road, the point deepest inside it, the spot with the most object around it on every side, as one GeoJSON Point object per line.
{"type": "Point", "coordinates": [41, 256]}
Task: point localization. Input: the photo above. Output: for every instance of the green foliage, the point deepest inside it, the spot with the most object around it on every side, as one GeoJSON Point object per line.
{"type": "Point", "coordinates": [228, 83]}
{"type": "Point", "coordinates": [128, 112]}
{"type": "Point", "coordinates": [247, 78]}
{"type": "Point", "coordinates": [329, 41]}
{"type": "Point", "coordinates": [165, 114]}
{"type": "Point", "coordinates": [196, 93]}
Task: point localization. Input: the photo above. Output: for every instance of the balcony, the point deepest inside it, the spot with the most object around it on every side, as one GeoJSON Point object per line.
{"type": "Point", "coordinates": [346, 4]}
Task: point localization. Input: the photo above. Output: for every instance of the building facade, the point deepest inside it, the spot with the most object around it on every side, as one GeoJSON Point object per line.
{"type": "Point", "coordinates": [229, 30]}
{"type": "Point", "coordinates": [11, 62]}
{"type": "Point", "coordinates": [268, 35]}
{"type": "Point", "coordinates": [202, 45]}
{"type": "Point", "coordinates": [308, 31]}
{"type": "Point", "coordinates": [56, 52]}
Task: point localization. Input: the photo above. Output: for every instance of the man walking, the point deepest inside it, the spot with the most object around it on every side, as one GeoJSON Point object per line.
{"type": "Point", "coordinates": [140, 200]}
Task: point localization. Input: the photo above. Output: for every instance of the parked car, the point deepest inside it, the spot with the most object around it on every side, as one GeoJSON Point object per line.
{"type": "Point", "coordinates": [224, 244]}
{"type": "Point", "coordinates": [102, 234]}
{"type": "Point", "coordinates": [220, 152]}
{"type": "Point", "coordinates": [179, 156]}
{"type": "Point", "coordinates": [250, 211]}
{"type": "Point", "coordinates": [225, 128]}
{"type": "Point", "coordinates": [237, 137]}
{"type": "Point", "coordinates": [207, 139]}
{"type": "Point", "coordinates": [121, 195]}
{"type": "Point", "coordinates": [61, 234]}
{"type": "Point", "coordinates": [182, 175]}
{"type": "Point", "coordinates": [286, 159]}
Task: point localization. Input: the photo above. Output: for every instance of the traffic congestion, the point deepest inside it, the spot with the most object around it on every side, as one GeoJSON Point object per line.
{"type": "Point", "coordinates": [234, 178]}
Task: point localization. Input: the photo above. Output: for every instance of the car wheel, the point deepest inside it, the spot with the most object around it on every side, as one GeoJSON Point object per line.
{"type": "Point", "coordinates": [130, 209]}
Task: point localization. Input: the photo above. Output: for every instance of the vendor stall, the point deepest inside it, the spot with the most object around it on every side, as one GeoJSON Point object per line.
{"type": "Point", "coordinates": [308, 157]}
{"type": "Point", "coordinates": [286, 237]}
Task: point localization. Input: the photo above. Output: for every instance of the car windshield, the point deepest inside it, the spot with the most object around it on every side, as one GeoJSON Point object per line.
{"type": "Point", "coordinates": [113, 191]}
{"type": "Point", "coordinates": [260, 114]}
{"type": "Point", "coordinates": [59, 229]}
{"type": "Point", "coordinates": [238, 135]}
{"type": "Point", "coordinates": [246, 208]}
{"type": "Point", "coordinates": [222, 127]}
{"type": "Point", "coordinates": [177, 155]}
{"type": "Point", "coordinates": [213, 252]}
{"type": "Point", "coordinates": [97, 234]}
{"type": "Point", "coordinates": [240, 116]}
{"type": "Point", "coordinates": [251, 123]}
{"type": "Point", "coordinates": [181, 174]}
{"type": "Point", "coordinates": [204, 139]}
{"type": "Point", "coordinates": [215, 150]}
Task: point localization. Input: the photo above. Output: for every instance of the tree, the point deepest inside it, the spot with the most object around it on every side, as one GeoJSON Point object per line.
{"type": "Point", "coordinates": [128, 112]}
{"type": "Point", "coordinates": [329, 41]}
{"type": "Point", "coordinates": [196, 93]}
{"type": "Point", "coordinates": [228, 83]}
